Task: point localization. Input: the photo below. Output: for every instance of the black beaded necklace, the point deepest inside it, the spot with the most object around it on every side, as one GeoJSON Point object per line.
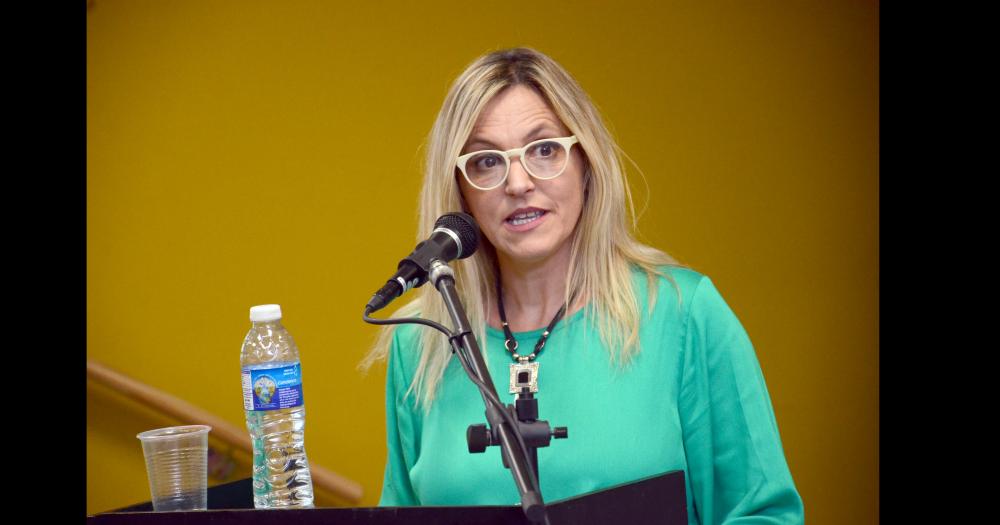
{"type": "Point", "coordinates": [523, 372]}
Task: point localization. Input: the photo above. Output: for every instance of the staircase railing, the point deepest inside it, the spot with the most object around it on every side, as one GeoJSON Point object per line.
{"type": "Point", "coordinates": [221, 429]}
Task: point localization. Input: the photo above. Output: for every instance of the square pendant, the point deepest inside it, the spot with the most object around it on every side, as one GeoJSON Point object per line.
{"type": "Point", "coordinates": [523, 375]}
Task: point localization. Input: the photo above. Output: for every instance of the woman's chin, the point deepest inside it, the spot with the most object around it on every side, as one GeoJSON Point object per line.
{"type": "Point", "coordinates": [527, 252]}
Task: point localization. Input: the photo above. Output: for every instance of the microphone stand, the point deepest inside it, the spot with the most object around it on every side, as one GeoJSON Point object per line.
{"type": "Point", "coordinates": [509, 436]}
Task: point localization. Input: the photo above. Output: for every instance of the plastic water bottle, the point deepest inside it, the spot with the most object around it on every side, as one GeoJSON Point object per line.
{"type": "Point", "coordinates": [276, 413]}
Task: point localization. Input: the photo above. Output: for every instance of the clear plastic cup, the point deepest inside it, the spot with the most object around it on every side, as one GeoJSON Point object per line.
{"type": "Point", "coordinates": [177, 466]}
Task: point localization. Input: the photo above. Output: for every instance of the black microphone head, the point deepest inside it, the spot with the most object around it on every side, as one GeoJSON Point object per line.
{"type": "Point", "coordinates": [465, 227]}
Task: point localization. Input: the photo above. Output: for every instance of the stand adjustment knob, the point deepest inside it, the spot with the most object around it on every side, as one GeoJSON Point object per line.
{"type": "Point", "coordinates": [478, 438]}
{"type": "Point", "coordinates": [560, 432]}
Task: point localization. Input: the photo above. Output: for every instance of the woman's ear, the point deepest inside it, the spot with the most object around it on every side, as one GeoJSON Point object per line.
{"type": "Point", "coordinates": [461, 196]}
{"type": "Point", "coordinates": [587, 175]}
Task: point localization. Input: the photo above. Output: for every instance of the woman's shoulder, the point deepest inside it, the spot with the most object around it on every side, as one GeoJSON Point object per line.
{"type": "Point", "coordinates": [671, 281]}
{"type": "Point", "coordinates": [684, 295]}
{"type": "Point", "coordinates": [404, 351]}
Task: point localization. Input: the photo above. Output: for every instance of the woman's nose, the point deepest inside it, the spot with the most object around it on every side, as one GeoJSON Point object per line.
{"type": "Point", "coordinates": [518, 180]}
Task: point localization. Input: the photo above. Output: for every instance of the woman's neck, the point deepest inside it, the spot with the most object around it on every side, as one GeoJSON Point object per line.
{"type": "Point", "coordinates": [532, 292]}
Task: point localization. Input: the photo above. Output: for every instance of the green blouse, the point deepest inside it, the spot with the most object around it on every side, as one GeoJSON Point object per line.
{"type": "Point", "coordinates": [693, 399]}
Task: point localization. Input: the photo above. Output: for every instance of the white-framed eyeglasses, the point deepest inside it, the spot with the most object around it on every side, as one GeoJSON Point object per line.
{"type": "Point", "coordinates": [543, 159]}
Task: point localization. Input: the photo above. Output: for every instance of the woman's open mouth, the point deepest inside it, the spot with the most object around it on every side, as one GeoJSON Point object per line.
{"type": "Point", "coordinates": [518, 219]}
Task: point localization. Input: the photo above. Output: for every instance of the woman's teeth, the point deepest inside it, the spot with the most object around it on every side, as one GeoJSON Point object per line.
{"type": "Point", "coordinates": [525, 218]}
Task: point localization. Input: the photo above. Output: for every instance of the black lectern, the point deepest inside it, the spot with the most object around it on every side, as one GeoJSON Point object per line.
{"type": "Point", "coordinates": [657, 499]}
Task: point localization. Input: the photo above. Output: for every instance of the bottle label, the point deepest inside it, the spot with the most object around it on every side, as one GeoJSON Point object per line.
{"type": "Point", "coordinates": [272, 388]}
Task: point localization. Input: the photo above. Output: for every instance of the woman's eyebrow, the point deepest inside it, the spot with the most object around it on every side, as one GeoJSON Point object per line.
{"type": "Point", "coordinates": [537, 130]}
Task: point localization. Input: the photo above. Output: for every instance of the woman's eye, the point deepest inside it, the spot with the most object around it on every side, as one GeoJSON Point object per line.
{"type": "Point", "coordinates": [487, 162]}
{"type": "Point", "coordinates": [544, 150]}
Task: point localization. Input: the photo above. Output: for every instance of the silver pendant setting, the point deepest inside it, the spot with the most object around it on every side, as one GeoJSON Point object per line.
{"type": "Point", "coordinates": [523, 374]}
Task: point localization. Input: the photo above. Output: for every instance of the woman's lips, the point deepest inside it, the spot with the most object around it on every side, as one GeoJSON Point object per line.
{"type": "Point", "coordinates": [525, 220]}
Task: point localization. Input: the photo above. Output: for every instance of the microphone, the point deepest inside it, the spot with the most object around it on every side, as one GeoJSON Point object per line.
{"type": "Point", "coordinates": [455, 236]}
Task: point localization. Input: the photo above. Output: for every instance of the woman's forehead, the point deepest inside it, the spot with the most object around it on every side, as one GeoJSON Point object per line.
{"type": "Point", "coordinates": [515, 115]}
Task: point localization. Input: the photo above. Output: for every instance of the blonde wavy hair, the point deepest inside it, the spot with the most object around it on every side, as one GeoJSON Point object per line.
{"type": "Point", "coordinates": [604, 251]}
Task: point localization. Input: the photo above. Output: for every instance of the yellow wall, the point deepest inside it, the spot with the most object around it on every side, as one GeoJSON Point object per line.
{"type": "Point", "coordinates": [248, 152]}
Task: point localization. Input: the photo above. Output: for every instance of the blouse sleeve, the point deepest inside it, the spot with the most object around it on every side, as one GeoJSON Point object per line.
{"type": "Point", "coordinates": [736, 465]}
{"type": "Point", "coordinates": [399, 429]}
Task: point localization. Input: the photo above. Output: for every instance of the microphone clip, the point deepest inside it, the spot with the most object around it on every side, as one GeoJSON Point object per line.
{"type": "Point", "coordinates": [438, 270]}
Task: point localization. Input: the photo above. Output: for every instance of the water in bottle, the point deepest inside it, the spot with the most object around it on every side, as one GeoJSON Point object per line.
{"type": "Point", "coordinates": [275, 411]}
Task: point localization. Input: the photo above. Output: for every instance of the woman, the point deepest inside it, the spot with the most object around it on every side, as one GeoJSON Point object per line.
{"type": "Point", "coordinates": [639, 357]}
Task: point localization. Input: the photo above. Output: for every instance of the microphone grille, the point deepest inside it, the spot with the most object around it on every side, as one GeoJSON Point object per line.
{"type": "Point", "coordinates": [465, 227]}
